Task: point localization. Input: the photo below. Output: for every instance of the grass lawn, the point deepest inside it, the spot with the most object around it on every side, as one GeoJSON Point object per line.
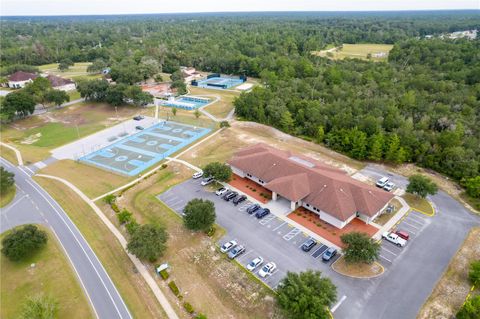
{"type": "Point", "coordinates": [35, 136]}
{"type": "Point", "coordinates": [208, 281]}
{"type": "Point", "coordinates": [357, 270]}
{"type": "Point", "coordinates": [359, 51]}
{"type": "Point", "coordinates": [137, 295]}
{"type": "Point", "coordinates": [91, 180]}
{"type": "Point", "coordinates": [74, 95]}
{"type": "Point", "coordinates": [8, 154]}
{"type": "Point", "coordinates": [416, 202]}
{"type": "Point", "coordinates": [52, 275]}
{"type": "Point", "coordinates": [8, 196]}
{"type": "Point", "coordinates": [221, 108]}
{"type": "Point", "coordinates": [451, 290]}
{"type": "Point", "coordinates": [183, 116]}
{"type": "Point", "coordinates": [384, 218]}
{"type": "Point", "coordinates": [78, 69]}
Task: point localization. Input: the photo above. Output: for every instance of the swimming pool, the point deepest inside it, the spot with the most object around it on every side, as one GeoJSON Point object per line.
{"type": "Point", "coordinates": [135, 153]}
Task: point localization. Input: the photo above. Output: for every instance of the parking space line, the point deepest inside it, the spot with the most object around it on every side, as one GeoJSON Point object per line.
{"type": "Point", "coordinates": [247, 253]}
{"type": "Point", "coordinates": [294, 232]}
{"type": "Point", "coordinates": [389, 251]}
{"type": "Point", "coordinates": [409, 230]}
{"type": "Point", "coordinates": [266, 220]}
{"type": "Point", "coordinates": [410, 219]}
{"type": "Point", "coordinates": [176, 203]}
{"type": "Point", "coordinates": [335, 307]}
{"type": "Point", "coordinates": [385, 258]}
{"type": "Point", "coordinates": [319, 251]}
{"type": "Point", "coordinates": [405, 222]}
{"type": "Point", "coordinates": [414, 216]}
{"type": "Point", "coordinates": [279, 226]}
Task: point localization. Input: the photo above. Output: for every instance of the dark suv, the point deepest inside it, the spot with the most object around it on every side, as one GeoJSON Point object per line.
{"type": "Point", "coordinates": [252, 209]}
{"type": "Point", "coordinates": [308, 245]}
{"type": "Point", "coordinates": [262, 213]}
{"type": "Point", "coordinates": [239, 199]}
{"type": "Point", "coordinates": [230, 196]}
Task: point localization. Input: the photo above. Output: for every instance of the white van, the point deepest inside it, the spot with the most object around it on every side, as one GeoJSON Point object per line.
{"type": "Point", "coordinates": [382, 182]}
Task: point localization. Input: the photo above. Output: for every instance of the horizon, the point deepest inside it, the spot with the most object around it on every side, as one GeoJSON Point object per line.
{"type": "Point", "coordinates": [47, 8]}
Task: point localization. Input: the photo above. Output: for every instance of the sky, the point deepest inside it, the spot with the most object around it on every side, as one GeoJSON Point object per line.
{"type": "Point", "coordinates": [86, 7]}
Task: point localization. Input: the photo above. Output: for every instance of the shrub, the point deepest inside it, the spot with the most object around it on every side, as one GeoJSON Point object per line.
{"type": "Point", "coordinates": [224, 124]}
{"type": "Point", "coordinates": [132, 227]}
{"type": "Point", "coordinates": [164, 274]}
{"type": "Point", "coordinates": [39, 307]}
{"type": "Point", "coordinates": [474, 274]}
{"type": "Point", "coordinates": [188, 307]}
{"type": "Point", "coordinates": [110, 199]}
{"type": "Point", "coordinates": [470, 309]}
{"type": "Point", "coordinates": [200, 316]}
{"type": "Point", "coordinates": [124, 216]}
{"type": "Point", "coordinates": [164, 166]}
{"type": "Point", "coordinates": [115, 207]}
{"type": "Point", "coordinates": [174, 288]}
{"type": "Point", "coordinates": [211, 231]}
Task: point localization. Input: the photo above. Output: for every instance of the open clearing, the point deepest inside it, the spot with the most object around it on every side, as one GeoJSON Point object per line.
{"type": "Point", "coordinates": [35, 136]}
{"type": "Point", "coordinates": [419, 203]}
{"type": "Point", "coordinates": [241, 134]}
{"type": "Point", "coordinates": [76, 72]}
{"type": "Point", "coordinates": [51, 276]}
{"type": "Point", "coordinates": [358, 51]}
{"type": "Point", "coordinates": [206, 279]}
{"type": "Point", "coordinates": [137, 295]}
{"type": "Point", "coordinates": [221, 108]}
{"type": "Point", "coordinates": [452, 288]}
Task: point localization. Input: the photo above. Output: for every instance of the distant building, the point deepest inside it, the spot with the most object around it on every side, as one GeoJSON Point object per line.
{"type": "Point", "coordinates": [62, 84]}
{"type": "Point", "coordinates": [190, 73]}
{"type": "Point", "coordinates": [19, 79]}
{"type": "Point", "coordinates": [379, 55]}
{"type": "Point", "coordinates": [468, 34]}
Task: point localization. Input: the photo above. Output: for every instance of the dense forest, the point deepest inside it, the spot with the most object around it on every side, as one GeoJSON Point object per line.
{"type": "Point", "coordinates": [422, 105]}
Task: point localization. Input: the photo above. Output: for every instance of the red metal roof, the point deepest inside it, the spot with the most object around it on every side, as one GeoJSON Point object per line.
{"type": "Point", "coordinates": [21, 76]}
{"type": "Point", "coordinates": [297, 177]}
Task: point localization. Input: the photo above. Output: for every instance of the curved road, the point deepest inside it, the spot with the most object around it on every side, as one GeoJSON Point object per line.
{"type": "Point", "coordinates": [32, 204]}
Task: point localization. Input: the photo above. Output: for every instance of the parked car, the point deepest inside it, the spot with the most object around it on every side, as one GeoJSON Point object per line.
{"type": "Point", "coordinates": [228, 245]}
{"type": "Point", "coordinates": [197, 175]}
{"type": "Point", "coordinates": [262, 213]}
{"type": "Point", "coordinates": [230, 196]}
{"type": "Point", "coordinates": [140, 128]}
{"type": "Point", "coordinates": [329, 254]}
{"type": "Point", "coordinates": [403, 234]}
{"type": "Point", "coordinates": [206, 181]}
{"type": "Point", "coordinates": [221, 191]}
{"type": "Point", "coordinates": [394, 239]}
{"type": "Point", "coordinates": [236, 251]}
{"type": "Point", "coordinates": [239, 199]}
{"type": "Point", "coordinates": [255, 263]}
{"type": "Point", "coordinates": [309, 244]}
{"type": "Point", "coordinates": [382, 182]}
{"type": "Point", "coordinates": [389, 186]}
{"type": "Point", "coordinates": [138, 118]}
{"type": "Point", "coordinates": [252, 209]}
{"type": "Point", "coordinates": [267, 270]}
{"type": "Point", "coordinates": [226, 194]}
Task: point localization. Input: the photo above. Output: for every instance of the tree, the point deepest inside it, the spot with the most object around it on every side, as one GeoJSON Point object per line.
{"type": "Point", "coordinates": [306, 295]}
{"type": "Point", "coordinates": [286, 122]}
{"type": "Point", "coordinates": [65, 64]}
{"type": "Point", "coordinates": [360, 248]}
{"type": "Point", "coordinates": [320, 134]}
{"type": "Point", "coordinates": [174, 111]}
{"type": "Point", "coordinates": [39, 307]}
{"type": "Point", "coordinates": [17, 103]}
{"type": "Point", "coordinates": [97, 66]}
{"type": "Point", "coordinates": [474, 274]}
{"type": "Point", "coordinates": [23, 242]}
{"type": "Point", "coordinates": [38, 89]}
{"type": "Point", "coordinates": [148, 242]}
{"type": "Point", "coordinates": [470, 309]}
{"type": "Point", "coordinates": [6, 179]}
{"type": "Point", "coordinates": [197, 113]}
{"type": "Point", "coordinates": [376, 147]}
{"type": "Point", "coordinates": [220, 172]}
{"type": "Point", "coordinates": [180, 86]}
{"type": "Point", "coordinates": [93, 90]}
{"type": "Point", "coordinates": [199, 214]}
{"type": "Point", "coordinates": [115, 94]}
{"type": "Point", "coordinates": [473, 186]}
{"type": "Point", "coordinates": [421, 186]}
{"type": "Point", "coordinates": [137, 96]}
{"type": "Point", "coordinates": [57, 97]}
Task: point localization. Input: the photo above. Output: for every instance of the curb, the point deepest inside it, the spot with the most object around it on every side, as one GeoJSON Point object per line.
{"type": "Point", "coordinates": [356, 277]}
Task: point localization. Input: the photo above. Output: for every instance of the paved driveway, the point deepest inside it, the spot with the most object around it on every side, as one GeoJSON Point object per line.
{"type": "Point", "coordinates": [32, 204]}
{"type": "Point", "coordinates": [410, 272]}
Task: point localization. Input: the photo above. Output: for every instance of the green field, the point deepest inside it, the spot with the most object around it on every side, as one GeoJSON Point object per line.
{"type": "Point", "coordinates": [358, 51]}
{"type": "Point", "coordinates": [8, 196]}
{"type": "Point", "coordinates": [77, 71]}
{"type": "Point", "coordinates": [52, 275]}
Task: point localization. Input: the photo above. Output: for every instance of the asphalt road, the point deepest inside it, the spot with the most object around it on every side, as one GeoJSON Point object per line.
{"type": "Point", "coordinates": [32, 204]}
{"type": "Point", "coordinates": [410, 272]}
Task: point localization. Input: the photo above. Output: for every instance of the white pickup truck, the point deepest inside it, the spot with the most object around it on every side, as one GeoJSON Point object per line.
{"type": "Point", "coordinates": [394, 239]}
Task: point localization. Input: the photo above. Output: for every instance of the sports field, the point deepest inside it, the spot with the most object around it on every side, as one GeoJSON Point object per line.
{"type": "Point", "coordinates": [367, 51]}
{"type": "Point", "coordinates": [219, 82]}
{"type": "Point", "coordinates": [137, 152]}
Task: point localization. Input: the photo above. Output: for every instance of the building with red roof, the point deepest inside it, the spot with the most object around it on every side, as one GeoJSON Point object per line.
{"type": "Point", "coordinates": [327, 191]}
{"type": "Point", "coordinates": [19, 79]}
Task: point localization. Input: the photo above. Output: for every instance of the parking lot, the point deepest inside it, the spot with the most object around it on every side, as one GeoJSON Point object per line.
{"type": "Point", "coordinates": [271, 237]}
{"type": "Point", "coordinates": [413, 223]}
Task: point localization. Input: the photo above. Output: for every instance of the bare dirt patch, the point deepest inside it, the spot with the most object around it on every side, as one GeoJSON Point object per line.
{"type": "Point", "coordinates": [453, 287]}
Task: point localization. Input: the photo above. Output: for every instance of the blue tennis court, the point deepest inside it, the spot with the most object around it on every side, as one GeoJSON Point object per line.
{"type": "Point", "coordinates": [186, 102]}
{"type": "Point", "coordinates": [219, 82]}
{"type": "Point", "coordinates": [139, 151]}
